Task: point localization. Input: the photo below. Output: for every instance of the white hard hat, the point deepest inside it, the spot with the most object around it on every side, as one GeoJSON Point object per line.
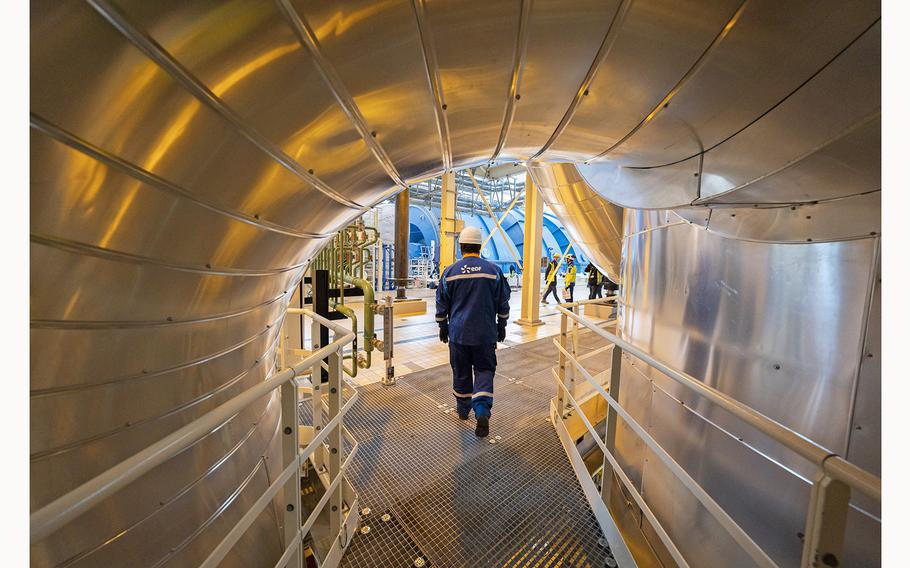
{"type": "Point", "coordinates": [470, 236]}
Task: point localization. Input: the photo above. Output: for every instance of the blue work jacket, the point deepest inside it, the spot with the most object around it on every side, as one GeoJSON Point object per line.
{"type": "Point", "coordinates": [471, 296]}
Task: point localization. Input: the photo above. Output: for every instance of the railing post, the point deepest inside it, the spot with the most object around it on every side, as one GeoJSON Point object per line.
{"type": "Point", "coordinates": [573, 349]}
{"type": "Point", "coordinates": [290, 448]}
{"type": "Point", "coordinates": [826, 523]}
{"type": "Point", "coordinates": [610, 434]}
{"type": "Point", "coordinates": [334, 438]}
{"type": "Point", "coordinates": [563, 342]}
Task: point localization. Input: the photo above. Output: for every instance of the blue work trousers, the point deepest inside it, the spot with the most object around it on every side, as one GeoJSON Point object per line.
{"type": "Point", "coordinates": [473, 367]}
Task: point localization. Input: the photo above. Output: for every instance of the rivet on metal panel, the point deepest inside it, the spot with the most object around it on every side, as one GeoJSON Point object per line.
{"type": "Point", "coordinates": [334, 508]}
{"type": "Point", "coordinates": [287, 430]}
{"type": "Point", "coordinates": [290, 507]}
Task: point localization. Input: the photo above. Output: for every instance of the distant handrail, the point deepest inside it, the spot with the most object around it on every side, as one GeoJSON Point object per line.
{"type": "Point", "coordinates": [77, 502]}
{"type": "Point", "coordinates": [831, 463]}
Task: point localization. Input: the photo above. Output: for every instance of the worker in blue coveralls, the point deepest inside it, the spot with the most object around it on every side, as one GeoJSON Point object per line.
{"type": "Point", "coordinates": [472, 307]}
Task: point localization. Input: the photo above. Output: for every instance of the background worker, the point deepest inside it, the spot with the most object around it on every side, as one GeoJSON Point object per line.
{"type": "Point", "coordinates": [472, 308]}
{"type": "Point", "coordinates": [550, 279]}
{"type": "Point", "coordinates": [569, 278]}
{"type": "Point", "coordinates": [594, 281]}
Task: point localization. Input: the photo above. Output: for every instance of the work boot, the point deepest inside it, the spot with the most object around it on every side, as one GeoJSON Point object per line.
{"type": "Point", "coordinates": [483, 427]}
{"type": "Point", "coordinates": [464, 414]}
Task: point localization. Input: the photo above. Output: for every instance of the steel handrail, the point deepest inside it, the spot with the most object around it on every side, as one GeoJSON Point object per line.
{"type": "Point", "coordinates": [736, 532]}
{"type": "Point", "coordinates": [831, 463]}
{"type": "Point", "coordinates": [75, 503]}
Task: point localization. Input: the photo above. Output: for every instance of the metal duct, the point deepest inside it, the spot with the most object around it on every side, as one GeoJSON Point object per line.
{"type": "Point", "coordinates": [593, 223]}
{"type": "Point", "coordinates": [780, 327]}
{"type": "Point", "coordinates": [189, 158]}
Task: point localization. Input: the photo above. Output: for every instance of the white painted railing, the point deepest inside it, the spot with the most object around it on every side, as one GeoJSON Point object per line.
{"type": "Point", "coordinates": [324, 449]}
{"type": "Point", "coordinates": [835, 479]}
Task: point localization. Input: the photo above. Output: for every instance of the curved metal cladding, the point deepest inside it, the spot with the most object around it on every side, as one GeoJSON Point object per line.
{"type": "Point", "coordinates": [189, 158]}
{"type": "Point", "coordinates": [594, 223]}
{"type": "Point", "coordinates": [790, 330]}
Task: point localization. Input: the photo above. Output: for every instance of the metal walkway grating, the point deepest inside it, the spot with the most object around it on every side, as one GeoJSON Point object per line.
{"type": "Point", "coordinates": [453, 500]}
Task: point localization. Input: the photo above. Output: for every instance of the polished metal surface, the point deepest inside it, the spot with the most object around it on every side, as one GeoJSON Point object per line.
{"type": "Point", "coordinates": [761, 127]}
{"type": "Point", "coordinates": [785, 340]}
{"type": "Point", "coordinates": [188, 159]}
{"type": "Point", "coordinates": [593, 223]}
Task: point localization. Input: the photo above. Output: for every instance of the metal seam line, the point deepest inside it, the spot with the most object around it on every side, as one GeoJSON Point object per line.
{"type": "Point", "coordinates": [144, 324]}
{"type": "Point", "coordinates": [75, 503]}
{"type": "Point", "coordinates": [180, 493]}
{"type": "Point", "coordinates": [605, 47]}
{"type": "Point", "coordinates": [796, 442]}
{"type": "Point", "coordinates": [770, 205]}
{"type": "Point", "coordinates": [696, 67]}
{"type": "Point", "coordinates": [172, 552]}
{"type": "Point", "coordinates": [86, 249]}
{"type": "Point", "coordinates": [154, 51]}
{"type": "Point", "coordinates": [264, 500]}
{"type": "Point", "coordinates": [432, 71]}
{"type": "Point", "coordinates": [70, 446]}
{"type": "Point", "coordinates": [518, 62]}
{"type": "Point", "coordinates": [795, 161]}
{"type": "Point", "coordinates": [308, 39]}
{"type": "Point", "coordinates": [139, 174]}
{"type": "Point", "coordinates": [34, 393]}
{"type": "Point", "coordinates": [780, 102]}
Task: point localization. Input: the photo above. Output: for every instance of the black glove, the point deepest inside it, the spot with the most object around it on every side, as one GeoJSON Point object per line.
{"type": "Point", "coordinates": [444, 332]}
{"type": "Point", "coordinates": [501, 331]}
